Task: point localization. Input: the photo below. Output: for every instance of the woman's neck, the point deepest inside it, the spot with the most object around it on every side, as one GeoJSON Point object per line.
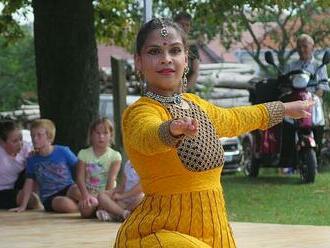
{"type": "Point", "coordinates": [162, 92]}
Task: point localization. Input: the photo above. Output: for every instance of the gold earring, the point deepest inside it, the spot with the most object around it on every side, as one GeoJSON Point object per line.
{"type": "Point", "coordinates": [143, 83]}
{"type": "Point", "coordinates": [184, 79]}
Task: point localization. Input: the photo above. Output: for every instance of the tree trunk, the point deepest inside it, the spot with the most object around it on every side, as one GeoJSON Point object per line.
{"type": "Point", "coordinates": [67, 67]}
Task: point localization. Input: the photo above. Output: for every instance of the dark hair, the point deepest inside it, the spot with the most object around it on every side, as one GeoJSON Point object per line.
{"type": "Point", "coordinates": [182, 15]}
{"type": "Point", "coordinates": [153, 24]}
{"type": "Point", "coordinates": [7, 127]}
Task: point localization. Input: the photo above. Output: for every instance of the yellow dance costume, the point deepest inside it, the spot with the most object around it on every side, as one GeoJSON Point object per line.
{"type": "Point", "coordinates": [184, 204]}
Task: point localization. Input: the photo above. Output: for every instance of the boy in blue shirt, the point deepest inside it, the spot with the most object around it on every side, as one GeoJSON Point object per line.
{"type": "Point", "coordinates": [51, 168]}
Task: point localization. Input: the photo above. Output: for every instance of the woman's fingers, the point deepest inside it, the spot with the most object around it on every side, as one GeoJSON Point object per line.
{"type": "Point", "coordinates": [185, 125]}
{"type": "Point", "coordinates": [298, 109]}
{"type": "Point", "coordinates": [306, 111]}
{"type": "Point", "coordinates": [195, 123]}
{"type": "Point", "coordinates": [309, 103]}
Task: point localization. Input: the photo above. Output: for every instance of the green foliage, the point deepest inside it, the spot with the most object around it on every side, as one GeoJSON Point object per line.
{"type": "Point", "coordinates": [117, 22]}
{"type": "Point", "coordinates": [9, 28]}
{"type": "Point", "coordinates": [286, 19]}
{"type": "Point", "coordinates": [17, 72]}
{"type": "Point", "coordinates": [282, 24]}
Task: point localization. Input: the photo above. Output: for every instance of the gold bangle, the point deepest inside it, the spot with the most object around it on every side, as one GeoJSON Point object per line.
{"type": "Point", "coordinates": [276, 111]}
{"type": "Point", "coordinates": [166, 137]}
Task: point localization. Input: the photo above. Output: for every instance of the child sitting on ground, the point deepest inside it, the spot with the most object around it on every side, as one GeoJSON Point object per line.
{"type": "Point", "coordinates": [118, 204]}
{"type": "Point", "coordinates": [51, 167]}
{"type": "Point", "coordinates": [13, 154]}
{"type": "Point", "coordinates": [100, 166]}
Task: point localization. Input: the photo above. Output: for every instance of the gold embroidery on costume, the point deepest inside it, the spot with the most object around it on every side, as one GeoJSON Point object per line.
{"type": "Point", "coordinates": [275, 111]}
{"type": "Point", "coordinates": [203, 151]}
{"type": "Point", "coordinates": [166, 137]}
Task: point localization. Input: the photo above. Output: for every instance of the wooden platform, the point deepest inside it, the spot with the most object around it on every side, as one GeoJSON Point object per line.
{"type": "Point", "coordinates": [34, 229]}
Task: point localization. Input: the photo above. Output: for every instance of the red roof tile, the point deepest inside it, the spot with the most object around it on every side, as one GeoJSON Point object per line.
{"type": "Point", "coordinates": [105, 52]}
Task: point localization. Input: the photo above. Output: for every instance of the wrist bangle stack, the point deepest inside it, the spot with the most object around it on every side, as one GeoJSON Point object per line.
{"type": "Point", "coordinates": [276, 111]}
{"type": "Point", "coordinates": [166, 137]}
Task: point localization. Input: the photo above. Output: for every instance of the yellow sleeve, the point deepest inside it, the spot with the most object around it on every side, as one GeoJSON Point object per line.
{"type": "Point", "coordinates": [231, 122]}
{"type": "Point", "coordinates": [236, 121]}
{"type": "Point", "coordinates": [141, 123]}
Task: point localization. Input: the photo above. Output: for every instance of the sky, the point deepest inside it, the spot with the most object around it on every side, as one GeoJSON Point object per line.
{"type": "Point", "coordinates": [20, 17]}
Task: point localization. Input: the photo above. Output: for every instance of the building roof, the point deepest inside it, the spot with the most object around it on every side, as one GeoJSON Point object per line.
{"type": "Point", "coordinates": [214, 51]}
{"type": "Point", "coordinates": [104, 53]}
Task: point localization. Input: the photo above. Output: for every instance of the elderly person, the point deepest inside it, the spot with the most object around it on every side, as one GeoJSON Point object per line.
{"type": "Point", "coordinates": [306, 61]}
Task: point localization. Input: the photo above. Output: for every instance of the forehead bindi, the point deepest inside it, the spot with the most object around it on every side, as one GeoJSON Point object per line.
{"type": "Point", "coordinates": [155, 38]}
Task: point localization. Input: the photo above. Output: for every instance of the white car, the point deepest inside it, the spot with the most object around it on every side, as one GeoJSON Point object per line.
{"type": "Point", "coordinates": [232, 154]}
{"type": "Point", "coordinates": [106, 104]}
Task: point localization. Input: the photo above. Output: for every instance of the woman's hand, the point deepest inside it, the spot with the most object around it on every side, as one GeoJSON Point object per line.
{"type": "Point", "coordinates": [184, 126]}
{"type": "Point", "coordinates": [298, 109]}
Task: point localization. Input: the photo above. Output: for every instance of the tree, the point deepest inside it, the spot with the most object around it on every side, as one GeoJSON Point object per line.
{"type": "Point", "coordinates": [279, 21]}
{"type": "Point", "coordinates": [17, 71]}
{"type": "Point", "coordinates": [10, 29]}
{"type": "Point", "coordinates": [67, 68]}
{"type": "Point", "coordinates": [66, 56]}
{"type": "Point", "coordinates": [66, 61]}
{"type": "Point", "coordinates": [279, 29]}
{"type": "Point", "coordinates": [117, 22]}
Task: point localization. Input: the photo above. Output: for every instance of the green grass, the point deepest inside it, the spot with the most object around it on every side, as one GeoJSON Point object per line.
{"type": "Point", "coordinates": [271, 198]}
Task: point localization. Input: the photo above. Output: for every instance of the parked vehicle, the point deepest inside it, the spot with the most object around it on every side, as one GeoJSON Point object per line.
{"type": "Point", "coordinates": [232, 154]}
{"type": "Point", "coordinates": [290, 143]}
{"type": "Point", "coordinates": [325, 151]}
{"type": "Point", "coordinates": [106, 104]}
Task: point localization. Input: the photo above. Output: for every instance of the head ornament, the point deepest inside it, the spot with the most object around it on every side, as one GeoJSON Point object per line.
{"type": "Point", "coordinates": [163, 29]}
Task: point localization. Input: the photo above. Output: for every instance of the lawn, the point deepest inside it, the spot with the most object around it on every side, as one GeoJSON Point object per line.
{"type": "Point", "coordinates": [273, 198]}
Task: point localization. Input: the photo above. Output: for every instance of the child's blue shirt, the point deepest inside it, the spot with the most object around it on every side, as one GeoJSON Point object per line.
{"type": "Point", "coordinates": [52, 172]}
